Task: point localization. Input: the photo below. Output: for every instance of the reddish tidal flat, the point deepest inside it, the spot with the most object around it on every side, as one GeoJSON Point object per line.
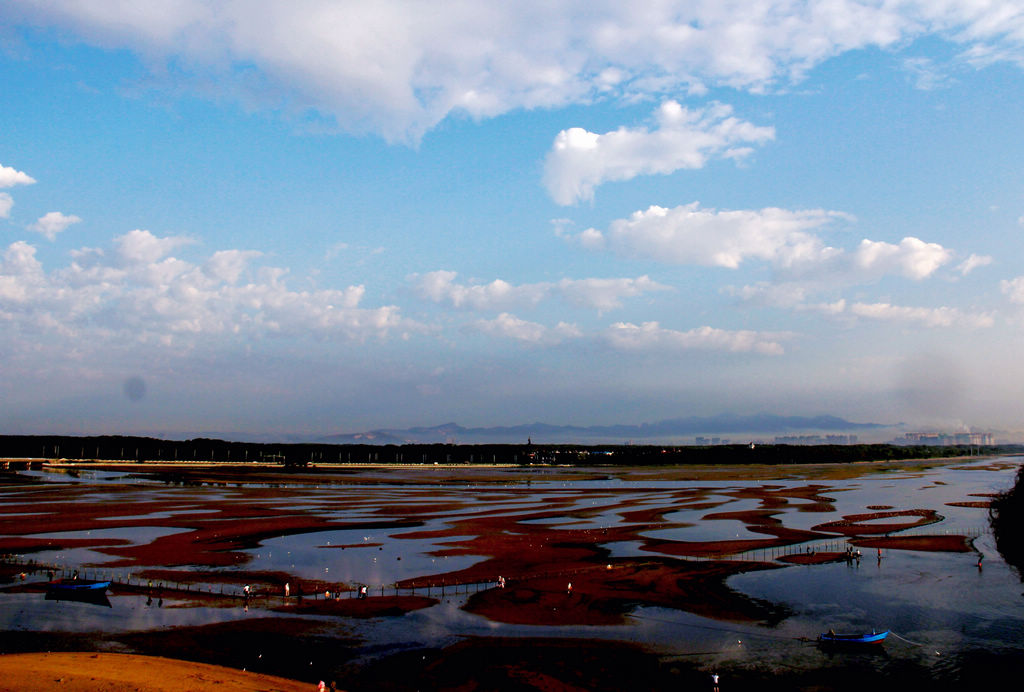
{"type": "Point", "coordinates": [815, 558]}
{"type": "Point", "coordinates": [858, 524]}
{"type": "Point", "coordinates": [283, 557]}
{"type": "Point", "coordinates": [942, 543]}
{"type": "Point", "coordinates": [604, 596]}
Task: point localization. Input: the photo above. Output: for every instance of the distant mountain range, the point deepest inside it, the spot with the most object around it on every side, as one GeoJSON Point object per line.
{"type": "Point", "coordinates": [671, 430]}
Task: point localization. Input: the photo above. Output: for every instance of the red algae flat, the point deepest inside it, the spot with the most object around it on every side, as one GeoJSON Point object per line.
{"type": "Point", "coordinates": [940, 543]}
{"type": "Point", "coordinates": [783, 537]}
{"type": "Point", "coordinates": [856, 524]}
{"type": "Point", "coordinates": [603, 595]}
{"type": "Point", "coordinates": [814, 558]}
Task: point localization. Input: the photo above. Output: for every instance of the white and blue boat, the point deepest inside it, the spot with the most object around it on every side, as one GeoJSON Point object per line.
{"type": "Point", "coordinates": [831, 637]}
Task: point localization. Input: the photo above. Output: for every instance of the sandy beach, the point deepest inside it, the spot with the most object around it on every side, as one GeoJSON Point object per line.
{"type": "Point", "coordinates": [106, 672]}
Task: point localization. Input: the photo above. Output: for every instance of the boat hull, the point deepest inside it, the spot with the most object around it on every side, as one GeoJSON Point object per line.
{"type": "Point", "coordinates": [77, 586]}
{"type": "Point", "coordinates": [844, 639]}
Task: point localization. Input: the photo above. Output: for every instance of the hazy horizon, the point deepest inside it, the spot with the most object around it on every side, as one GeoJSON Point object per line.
{"type": "Point", "coordinates": [292, 218]}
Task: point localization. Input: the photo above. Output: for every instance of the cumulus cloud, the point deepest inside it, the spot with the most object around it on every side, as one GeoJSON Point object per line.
{"type": "Point", "coordinates": [599, 294]}
{"type": "Point", "coordinates": [440, 287]}
{"type": "Point", "coordinates": [690, 234]}
{"type": "Point", "coordinates": [786, 295]}
{"type": "Point", "coordinates": [651, 336]}
{"type": "Point", "coordinates": [139, 294]}
{"type": "Point", "coordinates": [142, 247]}
{"type": "Point", "coordinates": [605, 294]}
{"type": "Point", "coordinates": [1013, 289]}
{"type": "Point", "coordinates": [972, 263]}
{"type": "Point", "coordinates": [834, 308]}
{"type": "Point", "coordinates": [6, 202]}
{"type": "Point", "coordinates": [509, 326]}
{"type": "Point", "coordinates": [683, 138]}
{"type": "Point", "coordinates": [10, 177]}
{"type": "Point", "coordinates": [912, 257]}
{"type": "Point", "coordinates": [927, 317]}
{"type": "Point", "coordinates": [228, 265]}
{"type": "Point", "coordinates": [397, 67]}
{"type": "Point", "coordinates": [787, 240]}
{"type": "Point", "coordinates": [52, 223]}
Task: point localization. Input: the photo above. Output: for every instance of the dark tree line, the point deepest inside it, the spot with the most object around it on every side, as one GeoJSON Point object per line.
{"type": "Point", "coordinates": [1007, 518]}
{"type": "Point", "coordinates": [148, 450]}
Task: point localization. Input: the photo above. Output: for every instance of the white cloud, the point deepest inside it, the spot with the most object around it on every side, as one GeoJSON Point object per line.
{"type": "Point", "coordinates": [913, 258]}
{"type": "Point", "coordinates": [835, 308]}
{"type": "Point", "coordinates": [927, 317]}
{"type": "Point", "coordinates": [605, 294]}
{"type": "Point", "coordinates": [139, 295]}
{"type": "Point", "coordinates": [6, 202]}
{"type": "Point", "coordinates": [398, 67]}
{"type": "Point", "coordinates": [692, 235]}
{"type": "Point", "coordinates": [439, 286]}
{"type": "Point", "coordinates": [10, 177]}
{"type": "Point", "coordinates": [579, 160]}
{"type": "Point", "coordinates": [786, 240]}
{"type": "Point", "coordinates": [52, 223]}
{"type": "Point", "coordinates": [792, 297]}
{"type": "Point", "coordinates": [144, 248]}
{"type": "Point", "coordinates": [926, 75]}
{"type": "Point", "coordinates": [228, 265]}
{"type": "Point", "coordinates": [21, 277]}
{"type": "Point", "coordinates": [650, 336]}
{"type": "Point", "coordinates": [973, 262]}
{"type": "Point", "coordinates": [511, 327]}
{"type": "Point", "coordinates": [785, 295]}
{"type": "Point", "coordinates": [598, 294]}
{"type": "Point", "coordinates": [1014, 289]}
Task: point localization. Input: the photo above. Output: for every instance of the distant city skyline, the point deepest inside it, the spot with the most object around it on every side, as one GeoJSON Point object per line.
{"type": "Point", "coordinates": [321, 217]}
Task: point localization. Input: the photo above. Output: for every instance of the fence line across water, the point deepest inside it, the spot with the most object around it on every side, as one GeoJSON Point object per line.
{"type": "Point", "coordinates": [131, 582]}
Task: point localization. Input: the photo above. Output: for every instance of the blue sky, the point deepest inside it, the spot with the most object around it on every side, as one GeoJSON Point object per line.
{"type": "Point", "coordinates": [318, 217]}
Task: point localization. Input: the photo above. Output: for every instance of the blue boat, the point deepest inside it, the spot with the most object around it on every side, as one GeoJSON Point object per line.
{"type": "Point", "coordinates": [79, 590]}
{"type": "Point", "coordinates": [77, 586]}
{"type": "Point", "coordinates": [831, 637]}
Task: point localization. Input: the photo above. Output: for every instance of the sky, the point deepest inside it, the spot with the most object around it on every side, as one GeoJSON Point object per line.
{"type": "Point", "coordinates": [315, 217]}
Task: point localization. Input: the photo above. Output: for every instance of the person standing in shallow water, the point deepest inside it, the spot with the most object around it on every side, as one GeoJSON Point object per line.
{"type": "Point", "coordinates": [714, 682]}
